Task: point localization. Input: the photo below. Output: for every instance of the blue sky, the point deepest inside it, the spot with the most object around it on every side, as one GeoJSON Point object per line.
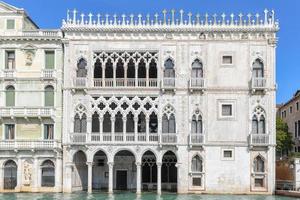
{"type": "Point", "coordinates": [49, 14]}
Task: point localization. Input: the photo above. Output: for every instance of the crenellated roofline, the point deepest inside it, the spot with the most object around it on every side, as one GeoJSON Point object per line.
{"type": "Point", "coordinates": [171, 22]}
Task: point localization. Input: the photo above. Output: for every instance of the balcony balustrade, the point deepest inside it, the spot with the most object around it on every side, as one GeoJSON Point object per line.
{"type": "Point", "coordinates": [26, 112]}
{"type": "Point", "coordinates": [168, 138]}
{"type": "Point", "coordinates": [9, 73]}
{"type": "Point", "coordinates": [259, 139]}
{"type": "Point", "coordinates": [259, 83]}
{"type": "Point", "coordinates": [80, 82]}
{"type": "Point", "coordinates": [122, 82]}
{"type": "Point", "coordinates": [29, 144]}
{"type": "Point", "coordinates": [33, 33]}
{"type": "Point", "coordinates": [196, 139]}
{"type": "Point", "coordinates": [196, 83]}
{"type": "Point", "coordinates": [168, 83]}
{"type": "Point", "coordinates": [48, 74]}
{"type": "Point", "coordinates": [105, 137]}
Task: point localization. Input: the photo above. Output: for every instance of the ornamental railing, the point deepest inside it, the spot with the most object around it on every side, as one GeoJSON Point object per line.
{"type": "Point", "coordinates": [29, 144]}
{"type": "Point", "coordinates": [196, 138]}
{"type": "Point", "coordinates": [80, 82]}
{"type": "Point", "coordinates": [170, 19]}
{"type": "Point", "coordinates": [123, 82]}
{"type": "Point", "coordinates": [34, 33]}
{"type": "Point", "coordinates": [259, 83]}
{"type": "Point", "coordinates": [168, 138]}
{"type": "Point", "coordinates": [9, 73]}
{"type": "Point", "coordinates": [168, 83]}
{"type": "Point", "coordinates": [197, 83]}
{"type": "Point", "coordinates": [48, 73]}
{"type": "Point", "coordinates": [259, 139]}
{"type": "Point", "coordinates": [27, 112]}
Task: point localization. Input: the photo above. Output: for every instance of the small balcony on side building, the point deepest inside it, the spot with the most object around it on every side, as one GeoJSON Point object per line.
{"type": "Point", "coordinates": [48, 74]}
{"type": "Point", "coordinates": [27, 112]}
{"type": "Point", "coordinates": [29, 144]}
{"type": "Point", "coordinates": [8, 74]}
{"type": "Point", "coordinates": [259, 139]}
{"type": "Point", "coordinates": [196, 84]}
{"type": "Point", "coordinates": [258, 84]}
{"type": "Point", "coordinates": [196, 139]}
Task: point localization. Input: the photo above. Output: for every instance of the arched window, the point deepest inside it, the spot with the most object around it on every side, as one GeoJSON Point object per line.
{"type": "Point", "coordinates": [10, 96]}
{"type": "Point", "coordinates": [153, 123]}
{"type": "Point", "coordinates": [258, 69]}
{"type": "Point", "coordinates": [258, 121]}
{"type": "Point", "coordinates": [95, 123]}
{"type": "Point", "coordinates": [259, 164]}
{"type": "Point", "coordinates": [130, 69]}
{"type": "Point", "coordinates": [80, 123]}
{"type": "Point", "coordinates": [109, 71]}
{"type": "Point", "coordinates": [49, 96]}
{"type": "Point", "coordinates": [118, 123]}
{"type": "Point", "coordinates": [106, 123]}
{"type": "Point", "coordinates": [120, 69]}
{"type": "Point", "coordinates": [197, 69]}
{"type": "Point", "coordinates": [10, 175]}
{"type": "Point", "coordinates": [169, 71]}
{"type": "Point", "coordinates": [142, 123]}
{"type": "Point", "coordinates": [168, 124]}
{"type": "Point", "coordinates": [48, 174]}
{"type": "Point", "coordinates": [81, 68]}
{"type": "Point", "coordinates": [197, 164]}
{"type": "Point", "coordinates": [98, 69]}
{"type": "Point", "coordinates": [196, 124]}
{"type": "Point", "coordinates": [142, 69]}
{"type": "Point", "coordinates": [153, 69]}
{"type": "Point", "coordinates": [130, 123]}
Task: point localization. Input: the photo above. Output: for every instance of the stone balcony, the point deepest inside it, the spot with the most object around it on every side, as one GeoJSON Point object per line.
{"type": "Point", "coordinates": [168, 84]}
{"type": "Point", "coordinates": [32, 33]}
{"type": "Point", "coordinates": [168, 139]}
{"type": "Point", "coordinates": [48, 74]}
{"type": "Point", "coordinates": [258, 84]}
{"type": "Point", "coordinates": [83, 138]}
{"type": "Point", "coordinates": [259, 140]}
{"type": "Point", "coordinates": [196, 84]}
{"type": "Point", "coordinates": [19, 144]}
{"type": "Point", "coordinates": [8, 74]}
{"type": "Point", "coordinates": [27, 112]}
{"type": "Point", "coordinates": [125, 82]}
{"type": "Point", "coordinates": [196, 139]}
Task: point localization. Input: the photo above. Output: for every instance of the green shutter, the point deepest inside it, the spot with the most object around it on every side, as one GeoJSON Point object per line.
{"type": "Point", "coordinates": [10, 24]}
{"type": "Point", "coordinates": [49, 62]}
{"type": "Point", "coordinates": [49, 97]}
{"type": "Point", "coordinates": [10, 98]}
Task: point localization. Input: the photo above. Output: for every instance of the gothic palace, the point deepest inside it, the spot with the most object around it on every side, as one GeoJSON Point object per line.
{"type": "Point", "coordinates": [173, 101]}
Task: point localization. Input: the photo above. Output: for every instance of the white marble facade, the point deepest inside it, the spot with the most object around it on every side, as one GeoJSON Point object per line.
{"type": "Point", "coordinates": [176, 102]}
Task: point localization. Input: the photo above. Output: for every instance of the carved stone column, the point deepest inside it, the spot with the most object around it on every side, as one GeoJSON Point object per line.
{"type": "Point", "coordinates": [138, 177]}
{"type": "Point", "coordinates": [67, 186]}
{"type": "Point", "coordinates": [124, 128]}
{"type": "Point", "coordinates": [19, 175]}
{"type": "Point", "coordinates": [101, 128]}
{"type": "Point", "coordinates": [89, 129]}
{"type": "Point", "coordinates": [136, 119]}
{"type": "Point", "coordinates": [58, 173]}
{"type": "Point", "coordinates": [159, 164]}
{"type": "Point", "coordinates": [112, 128]}
{"type": "Point", "coordinates": [110, 177]}
{"type": "Point", "coordinates": [147, 128]}
{"type": "Point", "coordinates": [90, 176]}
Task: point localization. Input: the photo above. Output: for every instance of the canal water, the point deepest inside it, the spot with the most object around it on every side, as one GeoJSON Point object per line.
{"type": "Point", "coordinates": [133, 196]}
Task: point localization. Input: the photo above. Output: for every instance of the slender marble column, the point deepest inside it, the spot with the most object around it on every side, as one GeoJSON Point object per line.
{"type": "Point", "coordinates": [58, 174]}
{"type": "Point", "coordinates": [138, 177]}
{"type": "Point", "coordinates": [90, 176]}
{"type": "Point", "coordinates": [110, 177]}
{"type": "Point", "coordinates": [159, 177]}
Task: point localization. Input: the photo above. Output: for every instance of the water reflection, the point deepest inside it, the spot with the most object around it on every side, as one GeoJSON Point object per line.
{"type": "Point", "coordinates": [132, 196]}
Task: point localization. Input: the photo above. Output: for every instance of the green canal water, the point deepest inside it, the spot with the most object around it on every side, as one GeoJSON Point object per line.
{"type": "Point", "coordinates": [132, 196]}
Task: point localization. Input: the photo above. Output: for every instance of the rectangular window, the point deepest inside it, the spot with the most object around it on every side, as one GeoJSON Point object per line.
{"type": "Point", "coordinates": [9, 131]}
{"type": "Point", "coordinates": [296, 129]}
{"type": "Point", "coordinates": [48, 131]}
{"type": "Point", "coordinates": [10, 24]}
{"type": "Point", "coordinates": [227, 60]}
{"type": "Point", "coordinates": [298, 148]}
{"type": "Point", "coordinates": [259, 182]}
{"type": "Point", "coordinates": [197, 181]}
{"type": "Point", "coordinates": [227, 153]}
{"type": "Point", "coordinates": [49, 59]}
{"type": "Point", "coordinates": [297, 106]}
{"type": "Point", "coordinates": [227, 110]}
{"type": "Point", "coordinates": [299, 128]}
{"type": "Point", "coordinates": [291, 109]}
{"type": "Point", "coordinates": [10, 60]}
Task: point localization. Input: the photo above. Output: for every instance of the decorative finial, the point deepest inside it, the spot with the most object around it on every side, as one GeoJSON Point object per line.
{"type": "Point", "coordinates": [74, 16]}
{"type": "Point", "coordinates": [131, 19]}
{"type": "Point", "coordinates": [173, 16]}
{"type": "Point", "coordinates": [98, 19]}
{"type": "Point", "coordinates": [156, 18]}
{"type": "Point", "coordinates": [190, 18]}
{"type": "Point", "coordinates": [249, 18]}
{"type": "Point", "coordinates": [197, 18]}
{"type": "Point", "coordinates": [165, 16]}
{"type": "Point", "coordinates": [257, 18]}
{"type": "Point", "coordinates": [206, 18]}
{"type": "Point", "coordinates": [106, 19]}
{"type": "Point", "coordinates": [231, 18]}
{"type": "Point", "coordinates": [90, 18]}
{"type": "Point", "coordinates": [115, 19]}
{"type": "Point", "coordinates": [241, 19]}
{"type": "Point", "coordinates": [266, 16]}
{"type": "Point", "coordinates": [181, 16]}
{"type": "Point", "coordinates": [215, 18]}
{"type": "Point", "coordinates": [223, 18]}
{"type": "Point", "coordinates": [148, 19]}
{"type": "Point", "coordinates": [82, 18]}
{"type": "Point", "coordinates": [68, 15]}
{"type": "Point", "coordinates": [123, 19]}
{"type": "Point", "coordinates": [139, 19]}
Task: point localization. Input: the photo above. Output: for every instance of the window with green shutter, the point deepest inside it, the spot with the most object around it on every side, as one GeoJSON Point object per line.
{"type": "Point", "coordinates": [10, 24]}
{"type": "Point", "coordinates": [49, 59]}
{"type": "Point", "coordinates": [10, 96]}
{"type": "Point", "coordinates": [49, 96]}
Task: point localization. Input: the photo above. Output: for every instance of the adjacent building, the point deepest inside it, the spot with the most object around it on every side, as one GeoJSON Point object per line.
{"type": "Point", "coordinates": [289, 112]}
{"type": "Point", "coordinates": [173, 102]}
{"type": "Point", "coordinates": [31, 63]}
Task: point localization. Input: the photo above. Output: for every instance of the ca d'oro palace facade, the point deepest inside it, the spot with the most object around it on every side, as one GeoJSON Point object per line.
{"type": "Point", "coordinates": [174, 101]}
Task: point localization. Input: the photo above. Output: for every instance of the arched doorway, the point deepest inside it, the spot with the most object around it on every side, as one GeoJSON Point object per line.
{"type": "Point", "coordinates": [80, 172]}
{"type": "Point", "coordinates": [10, 175]}
{"type": "Point", "coordinates": [100, 171]}
{"type": "Point", "coordinates": [48, 174]}
{"type": "Point", "coordinates": [124, 171]}
{"type": "Point", "coordinates": [149, 171]}
{"type": "Point", "coordinates": [169, 172]}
